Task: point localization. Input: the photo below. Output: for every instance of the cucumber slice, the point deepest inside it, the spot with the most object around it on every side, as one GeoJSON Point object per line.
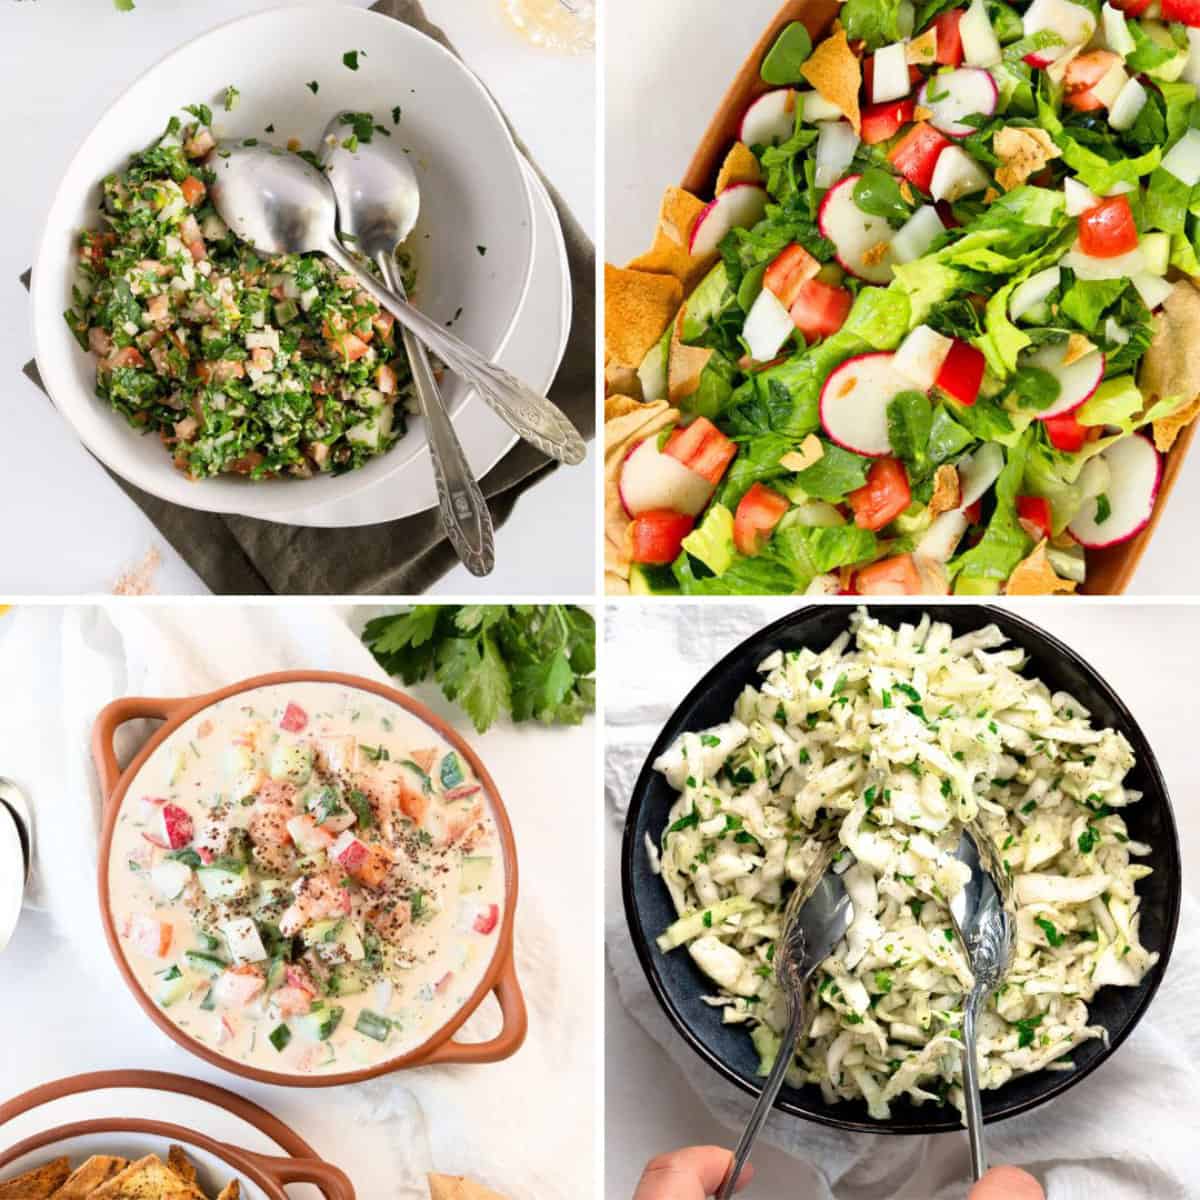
{"type": "Point", "coordinates": [476, 871]}
{"type": "Point", "coordinates": [345, 981]}
{"type": "Point", "coordinates": [222, 883]}
{"type": "Point", "coordinates": [652, 581]}
{"type": "Point", "coordinates": [291, 761]}
{"type": "Point", "coordinates": [372, 1025]}
{"type": "Point", "coordinates": [173, 986]}
{"type": "Point", "coordinates": [205, 964]}
{"type": "Point", "coordinates": [279, 1037]}
{"type": "Point", "coordinates": [319, 1025]}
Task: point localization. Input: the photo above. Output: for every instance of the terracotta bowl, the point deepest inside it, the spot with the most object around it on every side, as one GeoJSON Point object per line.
{"type": "Point", "coordinates": [440, 1047]}
{"type": "Point", "coordinates": [1109, 570]}
{"type": "Point", "coordinates": [263, 1177]}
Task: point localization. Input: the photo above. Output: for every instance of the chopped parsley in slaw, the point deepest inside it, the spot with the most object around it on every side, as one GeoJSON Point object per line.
{"type": "Point", "coordinates": [887, 742]}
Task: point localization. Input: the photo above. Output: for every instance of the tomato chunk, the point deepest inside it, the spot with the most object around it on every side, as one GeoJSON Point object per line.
{"type": "Point", "coordinates": [916, 154]}
{"type": "Point", "coordinates": [949, 39]}
{"type": "Point", "coordinates": [193, 190]}
{"type": "Point", "coordinates": [820, 309]}
{"type": "Point", "coordinates": [1185, 11]}
{"type": "Point", "coordinates": [883, 497]}
{"type": "Point", "coordinates": [789, 271]}
{"type": "Point", "coordinates": [1065, 432]}
{"type": "Point", "coordinates": [1108, 229]}
{"type": "Point", "coordinates": [703, 447]}
{"type": "Point", "coordinates": [889, 577]}
{"type": "Point", "coordinates": [658, 536]}
{"type": "Point", "coordinates": [758, 512]}
{"type": "Point", "coordinates": [974, 512]}
{"type": "Point", "coordinates": [962, 372]}
{"type": "Point", "coordinates": [1034, 511]}
{"type": "Point", "coordinates": [882, 121]}
{"type": "Point", "coordinates": [1083, 73]}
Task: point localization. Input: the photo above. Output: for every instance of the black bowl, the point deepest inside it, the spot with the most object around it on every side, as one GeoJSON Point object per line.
{"type": "Point", "coordinates": [678, 982]}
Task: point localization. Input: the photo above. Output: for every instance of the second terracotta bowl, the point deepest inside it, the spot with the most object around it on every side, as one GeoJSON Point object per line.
{"type": "Point", "coordinates": [441, 1046]}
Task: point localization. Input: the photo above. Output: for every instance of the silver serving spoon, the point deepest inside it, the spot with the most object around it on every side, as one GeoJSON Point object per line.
{"type": "Point", "coordinates": [14, 799]}
{"type": "Point", "coordinates": [815, 920]}
{"type": "Point", "coordinates": [378, 202]}
{"type": "Point", "coordinates": [983, 917]}
{"type": "Point", "coordinates": [280, 204]}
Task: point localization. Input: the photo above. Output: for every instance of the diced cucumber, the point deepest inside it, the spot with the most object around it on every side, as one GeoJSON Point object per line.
{"type": "Point", "coordinates": [280, 1036]}
{"type": "Point", "coordinates": [451, 773]}
{"type": "Point", "coordinates": [372, 1025]}
{"type": "Point", "coordinates": [291, 761]}
{"type": "Point", "coordinates": [173, 986]}
{"type": "Point", "coordinates": [170, 878]}
{"type": "Point", "coordinates": [276, 973]}
{"type": "Point", "coordinates": [320, 931]}
{"type": "Point", "coordinates": [319, 1025]}
{"type": "Point", "coordinates": [244, 941]}
{"type": "Point", "coordinates": [345, 980]}
{"type": "Point", "coordinates": [653, 371]}
{"type": "Point", "coordinates": [341, 933]}
{"type": "Point", "coordinates": [209, 1003]}
{"type": "Point", "coordinates": [205, 964]}
{"type": "Point", "coordinates": [710, 298]}
{"type": "Point", "coordinates": [270, 892]}
{"type": "Point", "coordinates": [652, 581]}
{"type": "Point", "coordinates": [476, 871]}
{"type": "Point", "coordinates": [285, 311]}
{"type": "Point", "coordinates": [424, 907]}
{"type": "Point", "coordinates": [351, 941]}
{"type": "Point", "coordinates": [766, 1042]}
{"type": "Point", "coordinates": [373, 430]}
{"type": "Point", "coordinates": [222, 883]}
{"type": "Point", "coordinates": [692, 925]}
{"type": "Point", "coordinates": [1156, 251]}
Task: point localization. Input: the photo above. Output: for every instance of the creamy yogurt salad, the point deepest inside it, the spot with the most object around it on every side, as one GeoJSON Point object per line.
{"type": "Point", "coordinates": [307, 879]}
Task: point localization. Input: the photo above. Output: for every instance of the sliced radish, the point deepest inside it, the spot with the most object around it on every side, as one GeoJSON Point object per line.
{"type": "Point", "coordinates": [652, 480]}
{"type": "Point", "coordinates": [855, 399]}
{"type": "Point", "coordinates": [770, 119]}
{"type": "Point", "coordinates": [1078, 196]}
{"type": "Point", "coordinates": [814, 107]}
{"type": "Point", "coordinates": [952, 95]}
{"type": "Point", "coordinates": [1153, 289]}
{"type": "Point", "coordinates": [1086, 266]}
{"type": "Point", "coordinates": [856, 235]}
{"type": "Point", "coordinates": [1127, 107]}
{"type": "Point", "coordinates": [921, 355]}
{"type": "Point", "coordinates": [836, 144]}
{"type": "Point", "coordinates": [737, 207]}
{"type": "Point", "coordinates": [1033, 291]}
{"type": "Point", "coordinates": [917, 234]}
{"type": "Point", "coordinates": [1116, 31]}
{"type": "Point", "coordinates": [941, 539]}
{"type": "Point", "coordinates": [955, 175]}
{"type": "Point", "coordinates": [767, 326]}
{"type": "Point", "coordinates": [1135, 469]}
{"type": "Point", "coordinates": [1072, 22]}
{"type": "Point", "coordinates": [889, 78]}
{"type": "Point", "coordinates": [1076, 381]}
{"type": "Point", "coordinates": [981, 47]}
{"type": "Point", "coordinates": [978, 472]}
{"type": "Point", "coordinates": [1183, 158]}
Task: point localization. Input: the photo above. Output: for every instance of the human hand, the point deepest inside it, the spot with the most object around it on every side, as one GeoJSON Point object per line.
{"type": "Point", "coordinates": [1007, 1183]}
{"type": "Point", "coordinates": [693, 1173]}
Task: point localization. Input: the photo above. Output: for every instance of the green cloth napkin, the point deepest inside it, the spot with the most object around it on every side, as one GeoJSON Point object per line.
{"type": "Point", "coordinates": [243, 556]}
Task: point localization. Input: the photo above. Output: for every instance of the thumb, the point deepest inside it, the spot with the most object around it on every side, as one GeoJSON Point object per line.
{"type": "Point", "coordinates": [1007, 1183]}
{"type": "Point", "coordinates": [693, 1173]}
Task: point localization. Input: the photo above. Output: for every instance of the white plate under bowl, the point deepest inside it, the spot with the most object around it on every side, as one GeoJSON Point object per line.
{"type": "Point", "coordinates": [12, 876]}
{"type": "Point", "coordinates": [534, 352]}
{"type": "Point", "coordinates": [474, 193]}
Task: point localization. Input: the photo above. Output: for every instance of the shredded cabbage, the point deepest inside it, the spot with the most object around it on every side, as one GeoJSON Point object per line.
{"type": "Point", "coordinates": [888, 741]}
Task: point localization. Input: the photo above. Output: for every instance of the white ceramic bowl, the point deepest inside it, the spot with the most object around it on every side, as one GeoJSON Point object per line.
{"type": "Point", "coordinates": [474, 193]}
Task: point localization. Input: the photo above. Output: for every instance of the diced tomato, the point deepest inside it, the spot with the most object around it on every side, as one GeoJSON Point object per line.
{"type": "Point", "coordinates": [487, 919]}
{"type": "Point", "coordinates": [758, 512]}
{"type": "Point", "coordinates": [868, 75]}
{"type": "Point", "coordinates": [1083, 73]}
{"type": "Point", "coordinates": [882, 121]}
{"type": "Point", "coordinates": [658, 536]}
{"type": "Point", "coordinates": [1185, 11]}
{"type": "Point", "coordinates": [1108, 229]}
{"type": "Point", "coordinates": [949, 39]}
{"type": "Point", "coordinates": [916, 154]}
{"type": "Point", "coordinates": [1034, 512]}
{"type": "Point", "coordinates": [962, 372]}
{"type": "Point", "coordinates": [351, 346]}
{"type": "Point", "coordinates": [703, 447]}
{"type": "Point", "coordinates": [150, 937]}
{"type": "Point", "coordinates": [889, 577]}
{"type": "Point", "coordinates": [193, 190]}
{"type": "Point", "coordinates": [1065, 432]}
{"type": "Point", "coordinates": [128, 356]}
{"type": "Point", "coordinates": [883, 497]}
{"type": "Point", "coordinates": [820, 309]}
{"type": "Point", "coordinates": [1135, 8]}
{"type": "Point", "coordinates": [789, 271]}
{"type": "Point", "coordinates": [974, 512]}
{"type": "Point", "coordinates": [294, 718]}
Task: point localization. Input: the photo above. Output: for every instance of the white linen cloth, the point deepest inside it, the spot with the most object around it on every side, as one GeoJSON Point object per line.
{"type": "Point", "coordinates": [521, 1127]}
{"type": "Point", "coordinates": [1128, 1130]}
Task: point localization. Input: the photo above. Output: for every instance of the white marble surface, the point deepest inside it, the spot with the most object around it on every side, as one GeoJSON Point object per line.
{"type": "Point", "coordinates": [67, 528]}
{"type": "Point", "coordinates": [667, 66]}
{"type": "Point", "coordinates": [1150, 654]}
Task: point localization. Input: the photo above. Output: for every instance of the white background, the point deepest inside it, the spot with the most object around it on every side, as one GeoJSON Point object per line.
{"type": "Point", "coordinates": [1150, 654]}
{"type": "Point", "coordinates": [673, 59]}
{"type": "Point", "coordinates": [65, 527]}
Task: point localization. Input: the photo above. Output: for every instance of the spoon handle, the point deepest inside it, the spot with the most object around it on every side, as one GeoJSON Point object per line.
{"type": "Point", "coordinates": [766, 1099]}
{"type": "Point", "coordinates": [971, 1098]}
{"type": "Point", "coordinates": [536, 419]}
{"type": "Point", "coordinates": [465, 515]}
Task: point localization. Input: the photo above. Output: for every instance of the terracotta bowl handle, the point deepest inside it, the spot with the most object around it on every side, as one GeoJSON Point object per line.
{"type": "Point", "coordinates": [512, 1033]}
{"type": "Point", "coordinates": [110, 718]}
{"type": "Point", "coordinates": [332, 1183]}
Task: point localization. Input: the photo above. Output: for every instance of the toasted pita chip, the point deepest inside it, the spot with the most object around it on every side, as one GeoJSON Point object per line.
{"type": "Point", "coordinates": [1022, 152]}
{"type": "Point", "coordinates": [614, 585]}
{"type": "Point", "coordinates": [810, 451]}
{"type": "Point", "coordinates": [922, 51]}
{"type": "Point", "coordinates": [990, 194]}
{"type": "Point", "coordinates": [670, 255]}
{"type": "Point", "coordinates": [1171, 366]}
{"type": "Point", "coordinates": [1078, 346]}
{"type": "Point", "coordinates": [622, 380]}
{"type": "Point", "coordinates": [179, 1162]}
{"type": "Point", "coordinates": [638, 306]}
{"type": "Point", "coordinates": [455, 1187]}
{"type": "Point", "coordinates": [1034, 576]}
{"type": "Point", "coordinates": [39, 1184]}
{"type": "Point", "coordinates": [740, 166]}
{"type": "Point", "coordinates": [88, 1176]}
{"type": "Point", "coordinates": [147, 1179]}
{"type": "Point", "coordinates": [920, 113]}
{"type": "Point", "coordinates": [618, 405]}
{"type": "Point", "coordinates": [684, 367]}
{"type": "Point", "coordinates": [947, 490]}
{"type": "Point", "coordinates": [835, 72]}
{"type": "Point", "coordinates": [231, 1191]}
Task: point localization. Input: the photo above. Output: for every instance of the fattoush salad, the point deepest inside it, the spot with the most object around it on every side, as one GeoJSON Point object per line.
{"type": "Point", "coordinates": [932, 334]}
